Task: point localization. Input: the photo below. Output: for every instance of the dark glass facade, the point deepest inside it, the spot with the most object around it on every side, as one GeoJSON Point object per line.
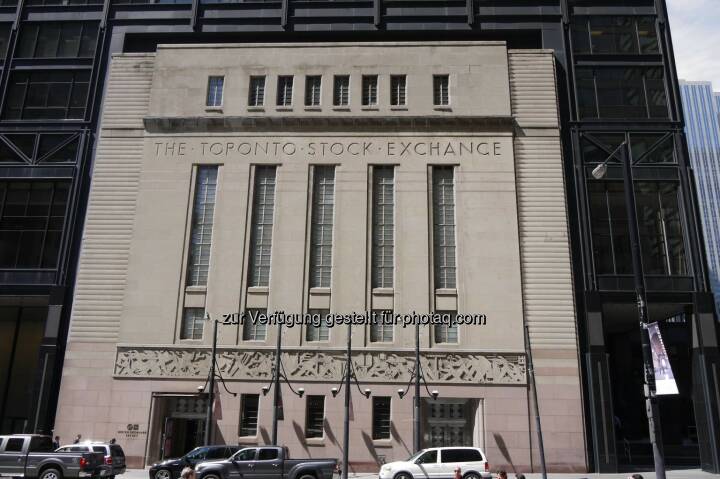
{"type": "Point", "coordinates": [617, 82]}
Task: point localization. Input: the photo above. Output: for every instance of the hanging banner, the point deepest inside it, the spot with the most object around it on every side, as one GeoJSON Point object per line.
{"type": "Point", "coordinates": [664, 379]}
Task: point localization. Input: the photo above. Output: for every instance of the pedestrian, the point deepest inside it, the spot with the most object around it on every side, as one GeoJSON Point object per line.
{"type": "Point", "coordinates": [56, 442]}
{"type": "Point", "coordinates": [187, 473]}
{"type": "Point", "coordinates": [458, 473]}
{"type": "Point", "coordinates": [502, 475]}
{"type": "Point", "coordinates": [112, 441]}
{"type": "Point", "coordinates": [77, 439]}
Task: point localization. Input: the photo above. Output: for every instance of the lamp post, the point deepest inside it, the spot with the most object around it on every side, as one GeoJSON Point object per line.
{"type": "Point", "coordinates": [210, 384]}
{"type": "Point", "coordinates": [417, 376]}
{"type": "Point", "coordinates": [348, 375]}
{"type": "Point", "coordinates": [651, 406]}
{"type": "Point", "coordinates": [278, 373]}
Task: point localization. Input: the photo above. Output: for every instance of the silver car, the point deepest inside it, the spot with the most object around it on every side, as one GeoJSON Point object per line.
{"type": "Point", "coordinates": [114, 456]}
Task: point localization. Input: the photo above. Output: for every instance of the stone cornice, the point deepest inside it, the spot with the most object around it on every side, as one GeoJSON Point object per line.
{"type": "Point", "coordinates": [230, 124]}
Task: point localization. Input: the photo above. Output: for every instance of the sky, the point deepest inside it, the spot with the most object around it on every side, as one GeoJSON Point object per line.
{"type": "Point", "coordinates": [695, 26]}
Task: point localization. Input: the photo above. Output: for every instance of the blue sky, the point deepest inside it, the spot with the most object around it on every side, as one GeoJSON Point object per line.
{"type": "Point", "coordinates": [695, 28]}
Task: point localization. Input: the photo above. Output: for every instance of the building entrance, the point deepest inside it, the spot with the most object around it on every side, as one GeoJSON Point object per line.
{"type": "Point", "coordinates": [453, 422]}
{"type": "Point", "coordinates": [180, 421]}
{"type": "Point", "coordinates": [676, 412]}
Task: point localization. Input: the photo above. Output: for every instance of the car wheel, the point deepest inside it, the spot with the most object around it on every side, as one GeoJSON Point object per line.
{"type": "Point", "coordinates": [51, 474]}
{"type": "Point", "coordinates": [163, 474]}
{"type": "Point", "coordinates": [211, 476]}
{"type": "Point", "coordinates": [472, 475]}
{"type": "Point", "coordinates": [403, 475]}
{"type": "Point", "coordinates": [306, 476]}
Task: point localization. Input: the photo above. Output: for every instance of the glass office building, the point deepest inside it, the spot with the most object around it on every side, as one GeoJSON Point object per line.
{"type": "Point", "coordinates": [616, 83]}
{"type": "Point", "coordinates": [702, 117]}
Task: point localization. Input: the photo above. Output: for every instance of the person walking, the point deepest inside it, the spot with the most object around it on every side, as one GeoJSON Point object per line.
{"type": "Point", "coordinates": [56, 442]}
{"type": "Point", "coordinates": [77, 439]}
{"type": "Point", "coordinates": [187, 473]}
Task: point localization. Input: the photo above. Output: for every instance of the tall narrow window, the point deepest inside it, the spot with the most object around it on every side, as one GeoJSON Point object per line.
{"type": "Point", "coordinates": [256, 95]}
{"type": "Point", "coordinates": [312, 90]}
{"type": "Point", "coordinates": [383, 233]}
{"type": "Point", "coordinates": [369, 90]}
{"type": "Point", "coordinates": [193, 322]}
{"type": "Point", "coordinates": [447, 331]}
{"type": "Point", "coordinates": [341, 90]}
{"type": "Point", "coordinates": [381, 327]}
{"type": "Point", "coordinates": [250, 405]}
{"type": "Point", "coordinates": [441, 90]}
{"type": "Point", "coordinates": [255, 325]}
{"type": "Point", "coordinates": [285, 90]}
{"type": "Point", "coordinates": [443, 200]}
{"type": "Point", "coordinates": [202, 226]}
{"type": "Point", "coordinates": [315, 417]}
{"type": "Point", "coordinates": [215, 91]}
{"type": "Point", "coordinates": [262, 225]}
{"type": "Point", "coordinates": [318, 330]}
{"type": "Point", "coordinates": [322, 226]}
{"type": "Point", "coordinates": [398, 90]}
{"type": "Point", "coordinates": [381, 417]}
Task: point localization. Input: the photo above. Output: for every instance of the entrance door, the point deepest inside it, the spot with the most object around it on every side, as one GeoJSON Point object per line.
{"type": "Point", "coordinates": [449, 422]}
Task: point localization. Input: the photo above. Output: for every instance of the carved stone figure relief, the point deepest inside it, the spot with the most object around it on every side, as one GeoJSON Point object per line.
{"type": "Point", "coordinates": [304, 365]}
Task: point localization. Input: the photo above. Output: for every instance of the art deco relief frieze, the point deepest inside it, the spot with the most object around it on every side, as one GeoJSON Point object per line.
{"type": "Point", "coordinates": [304, 365]}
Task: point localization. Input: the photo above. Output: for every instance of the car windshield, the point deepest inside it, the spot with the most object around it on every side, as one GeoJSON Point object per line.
{"type": "Point", "coordinates": [196, 454]}
{"type": "Point", "coordinates": [415, 456]}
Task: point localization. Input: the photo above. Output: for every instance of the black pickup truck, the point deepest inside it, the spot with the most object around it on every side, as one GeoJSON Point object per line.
{"type": "Point", "coordinates": [32, 456]}
{"type": "Point", "coordinates": [267, 462]}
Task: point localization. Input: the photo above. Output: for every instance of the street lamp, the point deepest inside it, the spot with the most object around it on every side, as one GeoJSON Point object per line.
{"type": "Point", "coordinates": [651, 406]}
{"type": "Point", "coordinates": [278, 373]}
{"type": "Point", "coordinates": [348, 374]}
{"type": "Point", "coordinates": [210, 384]}
{"type": "Point", "coordinates": [417, 375]}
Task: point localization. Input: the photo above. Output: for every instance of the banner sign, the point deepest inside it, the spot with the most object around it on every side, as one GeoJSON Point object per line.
{"type": "Point", "coordinates": [664, 379]}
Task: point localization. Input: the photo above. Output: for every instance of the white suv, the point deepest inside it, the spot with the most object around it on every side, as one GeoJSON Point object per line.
{"type": "Point", "coordinates": [439, 463]}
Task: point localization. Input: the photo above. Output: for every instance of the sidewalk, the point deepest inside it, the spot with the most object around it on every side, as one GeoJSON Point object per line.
{"type": "Point", "coordinates": [678, 474]}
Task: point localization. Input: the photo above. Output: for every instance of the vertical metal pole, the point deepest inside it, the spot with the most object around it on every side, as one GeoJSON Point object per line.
{"type": "Point", "coordinates": [531, 372]}
{"type": "Point", "coordinates": [417, 434]}
{"type": "Point", "coordinates": [211, 388]}
{"type": "Point", "coordinates": [651, 407]}
{"type": "Point", "coordinates": [276, 387]}
{"type": "Point", "coordinates": [346, 432]}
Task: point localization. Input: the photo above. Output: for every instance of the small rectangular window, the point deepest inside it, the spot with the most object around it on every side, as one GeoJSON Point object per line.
{"type": "Point", "coordinates": [249, 407]}
{"type": "Point", "coordinates": [381, 327]}
{"type": "Point", "coordinates": [193, 322]}
{"type": "Point", "coordinates": [215, 91]}
{"type": "Point", "coordinates": [341, 90]}
{"type": "Point", "coordinates": [312, 90]}
{"type": "Point", "coordinates": [398, 90]}
{"type": "Point", "coordinates": [441, 90]}
{"type": "Point", "coordinates": [256, 95]}
{"type": "Point", "coordinates": [381, 417]}
{"type": "Point", "coordinates": [321, 234]}
{"type": "Point", "coordinates": [315, 417]}
{"type": "Point", "coordinates": [369, 90]}
{"type": "Point", "coordinates": [285, 90]}
{"type": "Point", "coordinates": [318, 330]}
{"type": "Point", "coordinates": [254, 326]}
{"type": "Point", "coordinates": [447, 332]}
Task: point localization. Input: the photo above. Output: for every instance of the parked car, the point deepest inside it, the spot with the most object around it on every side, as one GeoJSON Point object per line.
{"type": "Point", "coordinates": [32, 456]}
{"type": "Point", "coordinates": [113, 456]}
{"type": "Point", "coordinates": [439, 463]}
{"type": "Point", "coordinates": [266, 463]}
{"type": "Point", "coordinates": [171, 468]}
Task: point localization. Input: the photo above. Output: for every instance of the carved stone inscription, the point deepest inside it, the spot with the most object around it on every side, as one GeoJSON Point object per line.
{"type": "Point", "coordinates": [303, 365]}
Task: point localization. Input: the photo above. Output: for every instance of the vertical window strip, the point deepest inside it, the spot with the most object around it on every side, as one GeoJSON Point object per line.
{"type": "Point", "coordinates": [447, 333]}
{"type": "Point", "coordinates": [285, 90]}
{"type": "Point", "coordinates": [341, 90]}
{"type": "Point", "coordinates": [254, 330]}
{"type": "Point", "coordinates": [441, 90]}
{"type": "Point", "coordinates": [443, 200]}
{"type": "Point", "coordinates": [315, 417]}
{"type": "Point", "coordinates": [193, 322]}
{"type": "Point", "coordinates": [322, 226]}
{"type": "Point", "coordinates": [313, 86]}
{"type": "Point", "coordinates": [383, 233]}
{"type": "Point", "coordinates": [215, 91]}
{"type": "Point", "coordinates": [256, 97]}
{"type": "Point", "coordinates": [249, 414]}
{"type": "Point", "coordinates": [369, 90]}
{"type": "Point", "coordinates": [381, 329]}
{"type": "Point", "coordinates": [202, 225]}
{"type": "Point", "coordinates": [381, 418]}
{"type": "Point", "coordinates": [398, 90]}
{"type": "Point", "coordinates": [318, 331]}
{"type": "Point", "coordinates": [262, 226]}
